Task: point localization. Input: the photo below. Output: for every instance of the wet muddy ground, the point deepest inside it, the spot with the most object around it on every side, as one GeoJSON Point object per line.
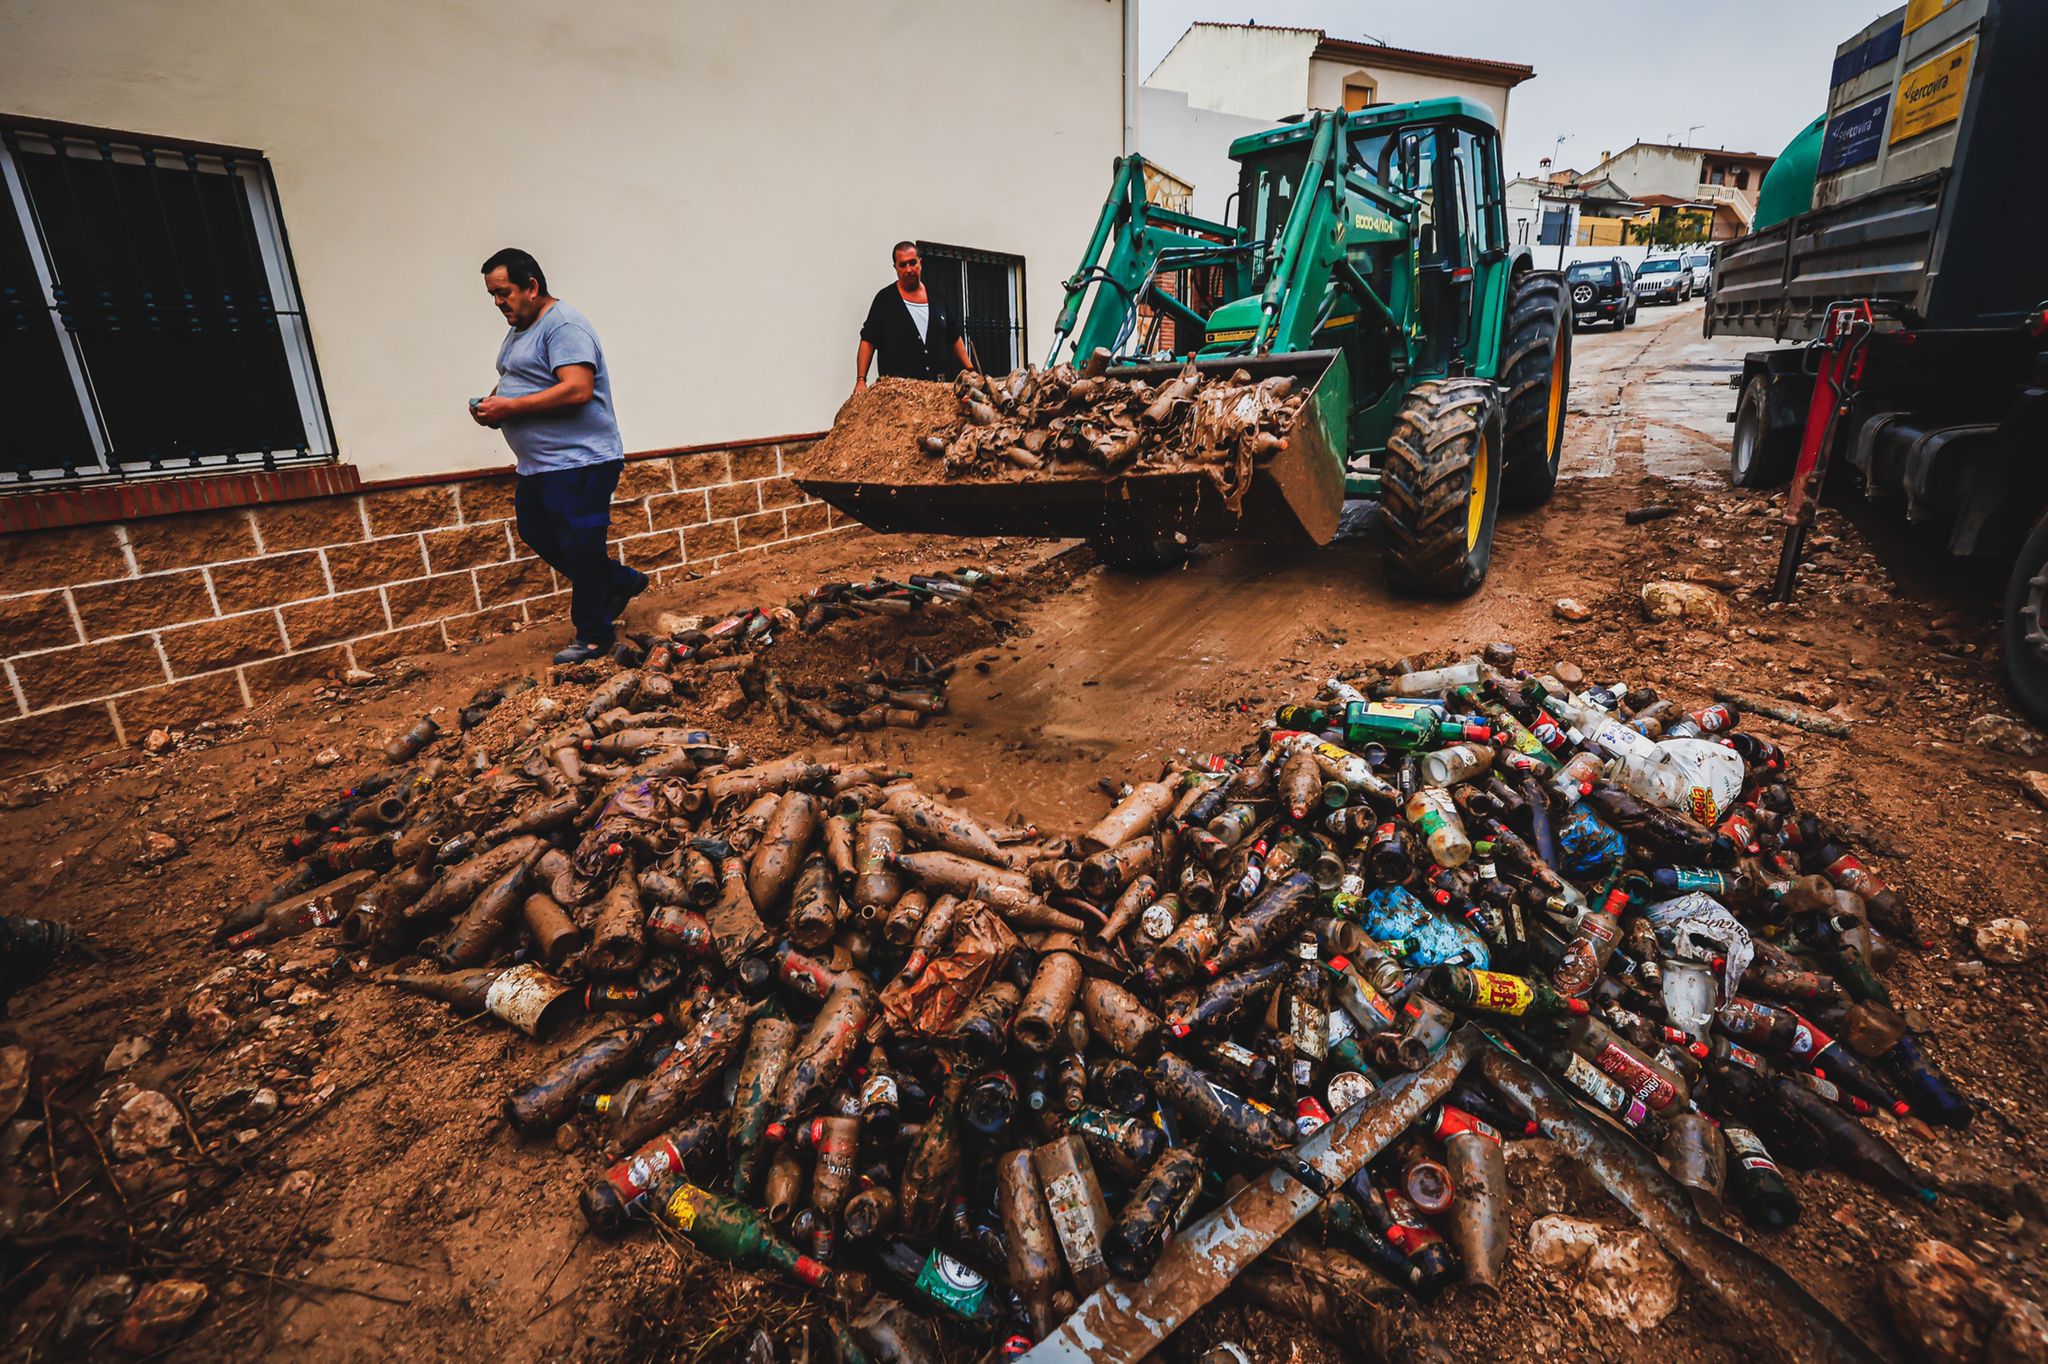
{"type": "Point", "coordinates": [386, 1211]}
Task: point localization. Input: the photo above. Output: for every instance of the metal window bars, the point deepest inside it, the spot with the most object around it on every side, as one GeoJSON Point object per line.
{"type": "Point", "coordinates": [152, 285]}
{"type": "Point", "coordinates": [986, 291]}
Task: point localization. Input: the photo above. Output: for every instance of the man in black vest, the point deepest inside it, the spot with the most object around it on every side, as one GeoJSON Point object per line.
{"type": "Point", "coordinates": [914, 334]}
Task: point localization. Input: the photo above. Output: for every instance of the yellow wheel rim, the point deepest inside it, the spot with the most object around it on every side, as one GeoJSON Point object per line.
{"type": "Point", "coordinates": [1475, 507]}
{"type": "Point", "coordinates": [1557, 377]}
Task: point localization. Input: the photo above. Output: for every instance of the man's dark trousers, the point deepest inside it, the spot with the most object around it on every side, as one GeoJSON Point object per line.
{"type": "Point", "coordinates": [564, 515]}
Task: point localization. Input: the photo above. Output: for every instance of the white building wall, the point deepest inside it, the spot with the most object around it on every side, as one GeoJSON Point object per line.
{"type": "Point", "coordinates": [1254, 72]}
{"type": "Point", "coordinates": [1327, 77]}
{"type": "Point", "coordinates": [1194, 144]}
{"type": "Point", "coordinates": [1652, 170]}
{"type": "Point", "coordinates": [717, 186]}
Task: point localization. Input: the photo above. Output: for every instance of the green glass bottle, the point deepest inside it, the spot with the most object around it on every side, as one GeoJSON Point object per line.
{"type": "Point", "coordinates": [1405, 724]}
{"type": "Point", "coordinates": [732, 1231]}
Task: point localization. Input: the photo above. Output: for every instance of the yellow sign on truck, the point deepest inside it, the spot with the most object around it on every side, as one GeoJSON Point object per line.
{"type": "Point", "coordinates": [1931, 94]}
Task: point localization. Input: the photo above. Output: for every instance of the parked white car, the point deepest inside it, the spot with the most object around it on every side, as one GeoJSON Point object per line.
{"type": "Point", "coordinates": [1663, 279]}
{"type": "Point", "coordinates": [1701, 264]}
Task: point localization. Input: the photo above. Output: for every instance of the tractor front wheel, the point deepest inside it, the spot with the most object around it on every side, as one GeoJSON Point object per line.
{"type": "Point", "coordinates": [1536, 375]}
{"type": "Point", "coordinates": [1440, 487]}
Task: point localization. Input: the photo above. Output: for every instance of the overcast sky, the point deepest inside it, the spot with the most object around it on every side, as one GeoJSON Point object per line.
{"type": "Point", "coordinates": [1608, 72]}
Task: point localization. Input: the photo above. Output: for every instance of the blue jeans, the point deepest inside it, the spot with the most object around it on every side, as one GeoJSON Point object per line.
{"type": "Point", "coordinates": [563, 516]}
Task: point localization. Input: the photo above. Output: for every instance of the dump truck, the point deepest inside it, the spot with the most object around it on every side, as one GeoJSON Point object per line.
{"type": "Point", "coordinates": [1368, 276]}
{"type": "Point", "coordinates": [1914, 303]}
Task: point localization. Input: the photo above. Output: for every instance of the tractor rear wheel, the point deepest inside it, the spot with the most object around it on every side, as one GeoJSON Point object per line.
{"type": "Point", "coordinates": [1440, 487]}
{"type": "Point", "coordinates": [1536, 371]}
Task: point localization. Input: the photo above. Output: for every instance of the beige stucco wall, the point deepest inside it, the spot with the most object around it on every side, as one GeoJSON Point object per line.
{"type": "Point", "coordinates": [1253, 72]}
{"type": "Point", "coordinates": [1326, 80]}
{"type": "Point", "coordinates": [1653, 170]}
{"type": "Point", "coordinates": [716, 186]}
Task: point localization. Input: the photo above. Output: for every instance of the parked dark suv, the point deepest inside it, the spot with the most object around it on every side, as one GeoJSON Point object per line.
{"type": "Point", "coordinates": [1602, 291]}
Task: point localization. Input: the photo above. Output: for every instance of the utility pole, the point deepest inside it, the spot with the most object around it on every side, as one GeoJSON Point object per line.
{"type": "Point", "coordinates": [1564, 229]}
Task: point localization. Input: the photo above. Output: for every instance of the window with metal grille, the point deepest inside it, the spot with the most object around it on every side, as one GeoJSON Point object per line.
{"type": "Point", "coordinates": [985, 290]}
{"type": "Point", "coordinates": [150, 320]}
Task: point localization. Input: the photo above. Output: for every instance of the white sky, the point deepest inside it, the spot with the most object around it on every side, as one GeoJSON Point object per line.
{"type": "Point", "coordinates": [1608, 72]}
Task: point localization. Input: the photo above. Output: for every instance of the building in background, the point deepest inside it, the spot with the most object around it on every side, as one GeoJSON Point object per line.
{"type": "Point", "coordinates": [1222, 81]}
{"type": "Point", "coordinates": [1686, 174]}
{"type": "Point", "coordinates": [241, 314]}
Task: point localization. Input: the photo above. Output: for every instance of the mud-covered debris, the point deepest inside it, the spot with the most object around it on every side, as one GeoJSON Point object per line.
{"type": "Point", "coordinates": [148, 1122]}
{"type": "Point", "coordinates": [159, 847]}
{"type": "Point", "coordinates": [1950, 1310]}
{"type": "Point", "coordinates": [1694, 603]}
{"type": "Point", "coordinates": [2035, 784]}
{"type": "Point", "coordinates": [94, 1307]}
{"type": "Point", "coordinates": [1617, 1273]}
{"type": "Point", "coordinates": [1572, 609]}
{"type": "Point", "coordinates": [2006, 735]}
{"type": "Point", "coordinates": [2009, 942]}
{"type": "Point", "coordinates": [159, 1316]}
{"type": "Point", "coordinates": [14, 1071]}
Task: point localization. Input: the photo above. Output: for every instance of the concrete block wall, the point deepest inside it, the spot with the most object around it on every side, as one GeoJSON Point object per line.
{"type": "Point", "coordinates": [111, 629]}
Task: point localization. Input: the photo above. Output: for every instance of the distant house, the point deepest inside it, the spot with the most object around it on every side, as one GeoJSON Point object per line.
{"type": "Point", "coordinates": [1722, 219]}
{"type": "Point", "coordinates": [1221, 81]}
{"type": "Point", "coordinates": [1686, 174]}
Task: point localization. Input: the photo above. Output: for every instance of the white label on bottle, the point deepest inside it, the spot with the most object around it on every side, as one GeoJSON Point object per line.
{"type": "Point", "coordinates": [1156, 923]}
{"type": "Point", "coordinates": [1597, 1086]}
{"type": "Point", "coordinates": [643, 1170]}
{"type": "Point", "coordinates": [1067, 1199]}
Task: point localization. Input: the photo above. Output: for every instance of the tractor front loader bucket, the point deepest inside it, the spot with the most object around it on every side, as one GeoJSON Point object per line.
{"type": "Point", "coordinates": [1296, 493]}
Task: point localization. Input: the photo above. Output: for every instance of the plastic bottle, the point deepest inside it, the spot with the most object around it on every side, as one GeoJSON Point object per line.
{"type": "Point", "coordinates": [1437, 681]}
{"type": "Point", "coordinates": [1435, 814]}
{"type": "Point", "coordinates": [1697, 777]}
{"type": "Point", "coordinates": [1305, 1014]}
{"type": "Point", "coordinates": [1457, 762]}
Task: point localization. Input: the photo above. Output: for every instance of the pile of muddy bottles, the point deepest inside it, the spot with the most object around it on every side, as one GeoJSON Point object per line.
{"type": "Point", "coordinates": [1049, 422]}
{"type": "Point", "coordinates": [740, 633]}
{"type": "Point", "coordinates": [894, 1051]}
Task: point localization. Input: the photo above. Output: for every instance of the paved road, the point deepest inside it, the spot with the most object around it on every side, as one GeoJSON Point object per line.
{"type": "Point", "coordinates": [1655, 394]}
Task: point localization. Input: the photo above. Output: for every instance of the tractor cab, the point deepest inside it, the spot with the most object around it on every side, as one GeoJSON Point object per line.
{"type": "Point", "coordinates": [1423, 226]}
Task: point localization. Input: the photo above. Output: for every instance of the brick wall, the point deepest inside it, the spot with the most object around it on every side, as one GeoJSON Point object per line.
{"type": "Point", "coordinates": [108, 630]}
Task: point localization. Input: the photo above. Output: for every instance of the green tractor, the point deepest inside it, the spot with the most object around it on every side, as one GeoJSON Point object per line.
{"type": "Point", "coordinates": [1370, 261]}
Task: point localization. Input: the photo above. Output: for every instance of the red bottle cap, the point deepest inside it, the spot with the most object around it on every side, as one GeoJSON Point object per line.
{"type": "Point", "coordinates": [776, 1133]}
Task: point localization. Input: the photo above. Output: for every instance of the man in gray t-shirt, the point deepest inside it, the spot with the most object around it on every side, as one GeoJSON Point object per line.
{"type": "Point", "coordinates": [553, 401]}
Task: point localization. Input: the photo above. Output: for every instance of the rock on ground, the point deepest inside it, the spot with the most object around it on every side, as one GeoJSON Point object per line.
{"type": "Point", "coordinates": [147, 1123]}
{"type": "Point", "coordinates": [2005, 941]}
{"type": "Point", "coordinates": [160, 1314]}
{"type": "Point", "coordinates": [1693, 602]}
{"type": "Point", "coordinates": [1950, 1312]}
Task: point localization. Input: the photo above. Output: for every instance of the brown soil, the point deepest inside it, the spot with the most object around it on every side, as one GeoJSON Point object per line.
{"type": "Point", "coordinates": [386, 1211]}
{"type": "Point", "coordinates": [874, 438]}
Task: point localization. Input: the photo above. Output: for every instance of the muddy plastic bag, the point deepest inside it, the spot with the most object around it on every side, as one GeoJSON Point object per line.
{"type": "Point", "coordinates": [649, 813]}
{"type": "Point", "coordinates": [932, 1003]}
